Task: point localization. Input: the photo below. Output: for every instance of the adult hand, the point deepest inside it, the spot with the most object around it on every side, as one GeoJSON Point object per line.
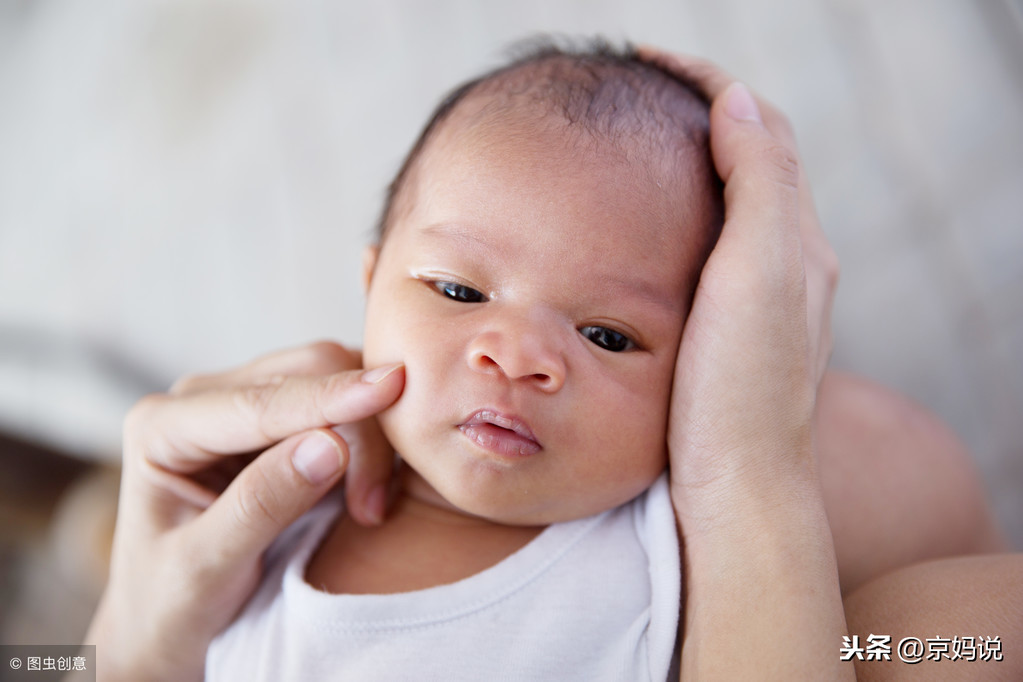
{"type": "Point", "coordinates": [760, 564]}
{"type": "Point", "coordinates": [758, 337]}
{"type": "Point", "coordinates": [197, 508]}
{"type": "Point", "coordinates": [820, 265]}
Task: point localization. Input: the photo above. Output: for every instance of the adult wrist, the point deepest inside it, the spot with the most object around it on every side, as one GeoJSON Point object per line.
{"type": "Point", "coordinates": [715, 490]}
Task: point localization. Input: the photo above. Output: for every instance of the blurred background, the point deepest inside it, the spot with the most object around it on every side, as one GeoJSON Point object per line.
{"type": "Point", "coordinates": [187, 184]}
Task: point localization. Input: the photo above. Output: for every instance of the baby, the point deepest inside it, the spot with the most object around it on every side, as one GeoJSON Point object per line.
{"type": "Point", "coordinates": [536, 260]}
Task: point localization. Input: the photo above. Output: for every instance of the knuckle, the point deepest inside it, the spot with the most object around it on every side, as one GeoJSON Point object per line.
{"type": "Point", "coordinates": [784, 165]}
{"type": "Point", "coordinates": [185, 384]}
{"type": "Point", "coordinates": [258, 505]}
{"type": "Point", "coordinates": [141, 435]}
{"type": "Point", "coordinates": [330, 387]}
{"type": "Point", "coordinates": [329, 357]}
{"type": "Point", "coordinates": [272, 381]}
{"type": "Point", "coordinates": [832, 267]}
{"type": "Point", "coordinates": [255, 403]}
{"type": "Point", "coordinates": [821, 257]}
{"type": "Point", "coordinates": [256, 400]}
{"type": "Point", "coordinates": [141, 413]}
{"type": "Point", "coordinates": [192, 564]}
{"type": "Point", "coordinates": [334, 382]}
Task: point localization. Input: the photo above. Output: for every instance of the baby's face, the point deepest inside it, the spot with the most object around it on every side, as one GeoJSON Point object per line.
{"type": "Point", "coordinates": [536, 293]}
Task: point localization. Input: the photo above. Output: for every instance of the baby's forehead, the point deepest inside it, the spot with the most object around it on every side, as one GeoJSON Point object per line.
{"type": "Point", "coordinates": [617, 105]}
{"type": "Point", "coordinates": [674, 174]}
{"type": "Point", "coordinates": [487, 175]}
{"type": "Point", "coordinates": [637, 136]}
{"type": "Point", "coordinates": [597, 97]}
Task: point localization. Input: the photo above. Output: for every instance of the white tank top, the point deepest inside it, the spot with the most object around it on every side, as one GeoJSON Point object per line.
{"type": "Point", "coordinates": [593, 599]}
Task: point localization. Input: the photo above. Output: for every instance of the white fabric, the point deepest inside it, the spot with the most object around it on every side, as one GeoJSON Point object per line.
{"type": "Point", "coordinates": [594, 599]}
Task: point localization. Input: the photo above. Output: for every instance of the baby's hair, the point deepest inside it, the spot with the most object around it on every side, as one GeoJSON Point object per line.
{"type": "Point", "coordinates": [594, 89]}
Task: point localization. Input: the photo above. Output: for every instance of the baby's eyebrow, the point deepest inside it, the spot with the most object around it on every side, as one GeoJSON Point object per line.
{"type": "Point", "coordinates": [457, 231]}
{"type": "Point", "coordinates": [638, 287]}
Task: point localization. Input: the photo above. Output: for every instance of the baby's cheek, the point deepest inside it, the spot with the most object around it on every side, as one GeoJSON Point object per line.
{"type": "Point", "coordinates": [644, 416]}
{"type": "Point", "coordinates": [413, 408]}
{"type": "Point", "coordinates": [383, 345]}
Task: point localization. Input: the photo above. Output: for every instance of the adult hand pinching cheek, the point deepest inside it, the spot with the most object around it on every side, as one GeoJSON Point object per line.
{"type": "Point", "coordinates": [213, 471]}
{"type": "Point", "coordinates": [316, 416]}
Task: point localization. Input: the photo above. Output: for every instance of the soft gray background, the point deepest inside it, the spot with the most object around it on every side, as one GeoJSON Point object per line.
{"type": "Point", "coordinates": [187, 184]}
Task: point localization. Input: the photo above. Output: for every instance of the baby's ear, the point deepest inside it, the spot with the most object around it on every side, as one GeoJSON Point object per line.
{"type": "Point", "coordinates": [369, 264]}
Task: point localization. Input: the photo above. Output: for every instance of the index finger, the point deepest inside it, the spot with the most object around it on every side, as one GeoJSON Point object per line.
{"type": "Point", "coordinates": [323, 357]}
{"type": "Point", "coordinates": [187, 433]}
{"type": "Point", "coordinates": [709, 77]}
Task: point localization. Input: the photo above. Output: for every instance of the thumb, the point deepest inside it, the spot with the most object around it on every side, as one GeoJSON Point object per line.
{"type": "Point", "coordinates": [761, 176]}
{"type": "Point", "coordinates": [741, 141]}
{"type": "Point", "coordinates": [270, 493]}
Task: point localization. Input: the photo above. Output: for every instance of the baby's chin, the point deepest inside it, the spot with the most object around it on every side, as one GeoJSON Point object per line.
{"type": "Point", "coordinates": [459, 500]}
{"type": "Point", "coordinates": [507, 508]}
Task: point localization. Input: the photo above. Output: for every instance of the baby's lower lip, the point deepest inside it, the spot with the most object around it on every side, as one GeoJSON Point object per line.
{"type": "Point", "coordinates": [499, 440]}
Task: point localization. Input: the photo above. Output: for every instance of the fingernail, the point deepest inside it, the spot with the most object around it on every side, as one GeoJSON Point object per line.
{"type": "Point", "coordinates": [317, 458]}
{"type": "Point", "coordinates": [740, 105]}
{"type": "Point", "coordinates": [376, 505]}
{"type": "Point", "coordinates": [378, 374]}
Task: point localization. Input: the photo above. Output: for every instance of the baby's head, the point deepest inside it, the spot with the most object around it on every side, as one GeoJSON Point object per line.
{"type": "Point", "coordinates": [537, 258]}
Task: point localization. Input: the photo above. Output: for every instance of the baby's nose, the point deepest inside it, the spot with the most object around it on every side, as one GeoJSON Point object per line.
{"type": "Point", "coordinates": [520, 351]}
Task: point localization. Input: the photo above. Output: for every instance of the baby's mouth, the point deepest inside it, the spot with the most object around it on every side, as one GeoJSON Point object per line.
{"type": "Point", "coordinates": [500, 433]}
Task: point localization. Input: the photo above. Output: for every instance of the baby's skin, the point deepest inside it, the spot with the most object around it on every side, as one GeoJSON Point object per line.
{"type": "Point", "coordinates": [536, 294]}
{"type": "Point", "coordinates": [536, 299]}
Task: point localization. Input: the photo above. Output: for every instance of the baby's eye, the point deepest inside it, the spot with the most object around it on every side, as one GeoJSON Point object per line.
{"type": "Point", "coordinates": [459, 292]}
{"type": "Point", "coordinates": [608, 339]}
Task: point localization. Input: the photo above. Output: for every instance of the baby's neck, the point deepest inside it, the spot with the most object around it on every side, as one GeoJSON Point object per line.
{"type": "Point", "coordinates": [423, 542]}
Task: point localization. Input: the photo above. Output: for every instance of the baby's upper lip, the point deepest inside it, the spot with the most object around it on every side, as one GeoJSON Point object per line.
{"type": "Point", "coordinates": [504, 420]}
